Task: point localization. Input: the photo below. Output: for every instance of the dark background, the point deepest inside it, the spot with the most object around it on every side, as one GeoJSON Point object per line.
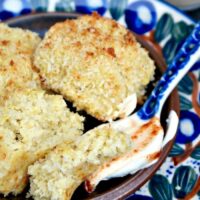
{"type": "Point", "coordinates": [195, 14]}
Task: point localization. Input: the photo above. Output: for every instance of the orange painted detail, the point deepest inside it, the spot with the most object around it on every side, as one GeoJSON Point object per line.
{"type": "Point", "coordinates": [195, 103]}
{"type": "Point", "coordinates": [188, 151]}
{"type": "Point", "coordinates": [151, 36]}
{"type": "Point", "coordinates": [151, 41]}
{"type": "Point", "coordinates": [194, 191]}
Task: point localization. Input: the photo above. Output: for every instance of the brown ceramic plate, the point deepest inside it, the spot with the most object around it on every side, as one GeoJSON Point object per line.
{"type": "Point", "coordinates": [118, 188]}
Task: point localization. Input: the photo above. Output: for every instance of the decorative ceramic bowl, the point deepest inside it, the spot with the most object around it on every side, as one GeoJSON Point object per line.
{"type": "Point", "coordinates": [121, 187]}
{"type": "Point", "coordinates": [164, 27]}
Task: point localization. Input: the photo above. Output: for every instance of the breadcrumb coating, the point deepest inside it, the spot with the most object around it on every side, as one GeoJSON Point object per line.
{"type": "Point", "coordinates": [95, 63]}
{"type": "Point", "coordinates": [16, 56]}
{"type": "Point", "coordinates": [67, 166]}
{"type": "Point", "coordinates": [31, 124]}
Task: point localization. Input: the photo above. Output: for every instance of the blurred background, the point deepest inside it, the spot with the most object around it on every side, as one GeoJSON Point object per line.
{"type": "Point", "coordinates": [186, 4]}
{"type": "Point", "coordinates": [191, 7]}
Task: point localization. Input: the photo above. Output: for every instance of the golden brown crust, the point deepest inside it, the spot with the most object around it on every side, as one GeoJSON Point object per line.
{"type": "Point", "coordinates": [16, 49]}
{"type": "Point", "coordinates": [74, 162]}
{"type": "Point", "coordinates": [31, 124]}
{"type": "Point", "coordinates": [93, 62]}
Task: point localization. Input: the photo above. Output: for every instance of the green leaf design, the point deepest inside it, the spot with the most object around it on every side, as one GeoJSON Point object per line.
{"type": "Point", "coordinates": [190, 28]}
{"type": "Point", "coordinates": [40, 5]}
{"type": "Point", "coordinates": [186, 85]}
{"type": "Point", "coordinates": [160, 188]}
{"type": "Point", "coordinates": [64, 6]}
{"type": "Point", "coordinates": [183, 181]}
{"type": "Point", "coordinates": [196, 153]}
{"type": "Point", "coordinates": [170, 49]}
{"type": "Point", "coordinates": [199, 76]}
{"type": "Point", "coordinates": [176, 150]}
{"type": "Point", "coordinates": [185, 104]}
{"type": "Point", "coordinates": [117, 8]}
{"type": "Point", "coordinates": [164, 27]}
{"type": "Point", "coordinates": [180, 31]}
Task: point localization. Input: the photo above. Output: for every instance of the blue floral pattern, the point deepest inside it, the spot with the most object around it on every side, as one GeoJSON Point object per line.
{"type": "Point", "coordinates": [189, 127]}
{"type": "Point", "coordinates": [135, 18]}
{"type": "Point", "coordinates": [154, 103]}
{"type": "Point", "coordinates": [166, 28]}
{"type": "Point", "coordinates": [87, 6]}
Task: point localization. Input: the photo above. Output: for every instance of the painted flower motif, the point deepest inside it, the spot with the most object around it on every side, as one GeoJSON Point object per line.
{"type": "Point", "coordinates": [89, 6]}
{"type": "Point", "coordinates": [11, 8]}
{"type": "Point", "coordinates": [183, 181]}
{"type": "Point", "coordinates": [196, 153]}
{"type": "Point", "coordinates": [186, 85]}
{"type": "Point", "coordinates": [185, 103]}
{"type": "Point", "coordinates": [189, 127]}
{"type": "Point", "coordinates": [140, 16]}
{"type": "Point", "coordinates": [117, 8]}
{"type": "Point", "coordinates": [163, 27]}
{"type": "Point", "coordinates": [64, 6]}
{"type": "Point", "coordinates": [5, 15]}
{"type": "Point", "coordinates": [178, 32]}
{"type": "Point", "coordinates": [176, 150]}
{"type": "Point", "coordinates": [40, 5]}
{"type": "Point", "coordinates": [160, 188]}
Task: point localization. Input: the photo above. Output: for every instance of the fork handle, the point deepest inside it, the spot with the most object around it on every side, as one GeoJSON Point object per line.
{"type": "Point", "coordinates": [183, 61]}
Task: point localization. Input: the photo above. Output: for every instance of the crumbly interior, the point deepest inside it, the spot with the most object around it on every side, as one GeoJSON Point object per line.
{"type": "Point", "coordinates": [95, 63]}
{"type": "Point", "coordinates": [16, 54]}
{"type": "Point", "coordinates": [31, 124]}
{"type": "Point", "coordinates": [62, 171]}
